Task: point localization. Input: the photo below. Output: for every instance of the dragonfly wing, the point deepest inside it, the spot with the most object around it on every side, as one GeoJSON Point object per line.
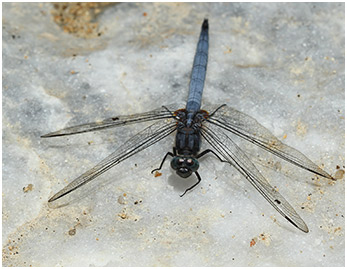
{"type": "Point", "coordinates": [156, 114]}
{"type": "Point", "coordinates": [135, 144]}
{"type": "Point", "coordinates": [230, 152]}
{"type": "Point", "coordinates": [248, 128]}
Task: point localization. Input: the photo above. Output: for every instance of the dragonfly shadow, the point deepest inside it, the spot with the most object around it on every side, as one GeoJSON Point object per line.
{"type": "Point", "coordinates": [181, 184]}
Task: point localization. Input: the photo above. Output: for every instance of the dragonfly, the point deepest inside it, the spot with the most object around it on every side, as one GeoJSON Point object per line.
{"type": "Point", "coordinates": [214, 124]}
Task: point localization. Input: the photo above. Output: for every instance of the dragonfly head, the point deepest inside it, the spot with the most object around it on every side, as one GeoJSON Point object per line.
{"type": "Point", "coordinates": [184, 166]}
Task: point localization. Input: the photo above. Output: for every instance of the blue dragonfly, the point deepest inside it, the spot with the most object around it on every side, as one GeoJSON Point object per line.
{"type": "Point", "coordinates": [214, 123]}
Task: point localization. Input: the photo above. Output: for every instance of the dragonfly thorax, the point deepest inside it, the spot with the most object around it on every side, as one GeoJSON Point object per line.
{"type": "Point", "coordinates": [188, 138]}
{"type": "Point", "coordinates": [184, 166]}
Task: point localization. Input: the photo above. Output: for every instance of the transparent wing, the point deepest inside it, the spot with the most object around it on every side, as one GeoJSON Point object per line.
{"type": "Point", "coordinates": [135, 144]}
{"type": "Point", "coordinates": [230, 152]}
{"type": "Point", "coordinates": [156, 114]}
{"type": "Point", "coordinates": [248, 128]}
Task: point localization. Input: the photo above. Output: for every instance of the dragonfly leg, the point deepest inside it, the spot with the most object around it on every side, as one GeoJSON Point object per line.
{"type": "Point", "coordinates": [210, 151]}
{"type": "Point", "coordinates": [162, 162]}
{"type": "Point", "coordinates": [199, 179]}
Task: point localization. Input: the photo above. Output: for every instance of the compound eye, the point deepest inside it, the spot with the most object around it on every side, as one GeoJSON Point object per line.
{"type": "Point", "coordinates": [193, 164]}
{"type": "Point", "coordinates": [173, 163]}
{"type": "Point", "coordinates": [176, 162]}
{"type": "Point", "coordinates": [190, 162]}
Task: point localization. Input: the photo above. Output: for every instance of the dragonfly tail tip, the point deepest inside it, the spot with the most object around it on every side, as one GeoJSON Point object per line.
{"type": "Point", "coordinates": [205, 24]}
